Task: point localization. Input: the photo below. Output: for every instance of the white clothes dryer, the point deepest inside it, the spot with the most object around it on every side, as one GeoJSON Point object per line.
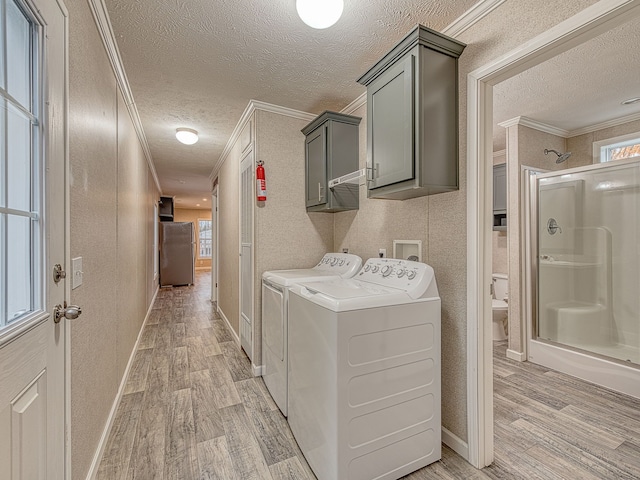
{"type": "Point", "coordinates": [275, 300]}
{"type": "Point", "coordinates": [364, 371]}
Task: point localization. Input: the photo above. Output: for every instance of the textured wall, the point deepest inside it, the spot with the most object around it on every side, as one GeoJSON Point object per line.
{"type": "Point", "coordinates": [193, 215]}
{"type": "Point", "coordinates": [111, 197]}
{"type": "Point", "coordinates": [440, 220]}
{"type": "Point", "coordinates": [286, 236]}
{"type": "Point", "coordinates": [581, 147]}
{"type": "Point", "coordinates": [229, 249]}
{"type": "Point", "coordinates": [525, 147]}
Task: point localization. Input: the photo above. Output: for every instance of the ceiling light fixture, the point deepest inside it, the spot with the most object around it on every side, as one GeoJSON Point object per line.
{"type": "Point", "coordinates": [188, 136]}
{"type": "Point", "coordinates": [319, 13]}
{"type": "Point", "coordinates": [631, 101]}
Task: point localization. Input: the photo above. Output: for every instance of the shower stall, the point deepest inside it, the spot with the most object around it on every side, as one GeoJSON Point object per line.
{"type": "Point", "coordinates": [585, 271]}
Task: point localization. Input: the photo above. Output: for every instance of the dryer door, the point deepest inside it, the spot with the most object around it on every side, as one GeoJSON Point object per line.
{"type": "Point", "coordinates": [274, 345]}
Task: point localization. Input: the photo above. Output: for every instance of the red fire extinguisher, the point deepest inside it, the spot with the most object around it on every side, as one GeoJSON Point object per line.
{"type": "Point", "coordinates": [261, 184]}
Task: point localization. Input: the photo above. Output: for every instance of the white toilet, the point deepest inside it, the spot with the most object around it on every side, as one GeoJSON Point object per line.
{"type": "Point", "coordinates": [500, 307]}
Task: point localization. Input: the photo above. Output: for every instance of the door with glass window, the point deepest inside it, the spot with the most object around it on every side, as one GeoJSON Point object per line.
{"type": "Point", "coordinates": [32, 239]}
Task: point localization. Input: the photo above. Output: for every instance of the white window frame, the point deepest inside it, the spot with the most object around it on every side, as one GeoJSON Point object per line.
{"type": "Point", "coordinates": [36, 211]}
{"type": "Point", "coordinates": [602, 148]}
{"type": "Point", "coordinates": [200, 239]}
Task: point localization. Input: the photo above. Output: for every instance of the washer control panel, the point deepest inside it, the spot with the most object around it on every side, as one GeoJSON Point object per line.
{"type": "Point", "coordinates": [413, 277]}
{"type": "Point", "coordinates": [339, 263]}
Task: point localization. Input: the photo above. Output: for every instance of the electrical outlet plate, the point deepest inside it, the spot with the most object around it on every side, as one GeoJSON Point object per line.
{"type": "Point", "coordinates": [382, 253]}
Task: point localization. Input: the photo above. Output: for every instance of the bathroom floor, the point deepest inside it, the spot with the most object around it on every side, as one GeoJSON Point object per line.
{"type": "Point", "coordinates": [191, 409]}
{"type": "Point", "coordinates": [549, 425]}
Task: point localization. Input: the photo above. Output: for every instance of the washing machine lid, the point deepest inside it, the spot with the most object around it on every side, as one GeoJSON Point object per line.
{"type": "Point", "coordinates": [332, 265]}
{"type": "Point", "coordinates": [340, 295]}
{"type": "Point", "coordinates": [286, 278]}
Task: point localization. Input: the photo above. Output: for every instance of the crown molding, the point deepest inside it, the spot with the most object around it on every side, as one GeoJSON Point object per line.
{"type": "Point", "coordinates": [355, 105]}
{"type": "Point", "coordinates": [459, 25]}
{"type": "Point", "coordinates": [608, 124]}
{"type": "Point", "coordinates": [101, 17]}
{"type": "Point", "coordinates": [252, 107]}
{"type": "Point", "coordinates": [472, 16]}
{"type": "Point", "coordinates": [542, 127]}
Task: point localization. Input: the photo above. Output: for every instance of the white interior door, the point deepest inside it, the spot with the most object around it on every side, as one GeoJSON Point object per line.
{"type": "Point", "coordinates": [247, 192]}
{"type": "Point", "coordinates": [32, 238]}
{"type": "Point", "coordinates": [214, 249]}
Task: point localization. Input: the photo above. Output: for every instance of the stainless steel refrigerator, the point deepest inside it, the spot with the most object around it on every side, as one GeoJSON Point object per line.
{"type": "Point", "coordinates": [177, 253]}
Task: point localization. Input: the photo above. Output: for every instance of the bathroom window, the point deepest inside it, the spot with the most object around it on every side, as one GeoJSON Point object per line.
{"type": "Point", "coordinates": [617, 148]}
{"type": "Point", "coordinates": [204, 238]}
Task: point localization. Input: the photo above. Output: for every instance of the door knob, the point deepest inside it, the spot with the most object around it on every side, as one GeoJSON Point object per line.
{"type": "Point", "coordinates": [70, 312]}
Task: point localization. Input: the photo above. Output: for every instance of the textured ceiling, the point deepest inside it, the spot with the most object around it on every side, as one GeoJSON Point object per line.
{"type": "Point", "coordinates": [579, 88]}
{"type": "Point", "coordinates": [197, 63]}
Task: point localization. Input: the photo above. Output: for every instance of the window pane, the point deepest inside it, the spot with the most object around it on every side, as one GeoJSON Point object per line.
{"type": "Point", "coordinates": [2, 49]}
{"type": "Point", "coordinates": [18, 55]}
{"type": "Point", "coordinates": [3, 142]}
{"type": "Point", "coordinates": [204, 232]}
{"type": "Point", "coordinates": [19, 160]}
{"type": "Point", "coordinates": [624, 152]}
{"type": "Point", "coordinates": [18, 267]}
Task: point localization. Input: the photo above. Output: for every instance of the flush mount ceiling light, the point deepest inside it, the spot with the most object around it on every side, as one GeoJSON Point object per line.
{"type": "Point", "coordinates": [319, 13]}
{"type": "Point", "coordinates": [631, 101]}
{"type": "Point", "coordinates": [188, 136]}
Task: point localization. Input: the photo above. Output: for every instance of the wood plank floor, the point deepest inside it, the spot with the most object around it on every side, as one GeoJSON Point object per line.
{"type": "Point", "coordinates": [192, 410]}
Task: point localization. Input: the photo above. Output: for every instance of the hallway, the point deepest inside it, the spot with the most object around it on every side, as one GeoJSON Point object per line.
{"type": "Point", "coordinates": [191, 409]}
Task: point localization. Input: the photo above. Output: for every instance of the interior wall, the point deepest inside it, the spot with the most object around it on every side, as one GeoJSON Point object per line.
{"type": "Point", "coordinates": [112, 194]}
{"type": "Point", "coordinates": [193, 215]}
{"type": "Point", "coordinates": [229, 235]}
{"type": "Point", "coordinates": [581, 146]}
{"type": "Point", "coordinates": [441, 219]}
{"type": "Point", "coordinates": [500, 252]}
{"type": "Point", "coordinates": [286, 236]}
{"type": "Point", "coordinates": [525, 147]}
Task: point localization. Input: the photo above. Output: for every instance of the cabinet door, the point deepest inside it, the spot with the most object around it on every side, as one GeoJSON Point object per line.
{"type": "Point", "coordinates": [316, 171]}
{"type": "Point", "coordinates": [500, 188]}
{"type": "Point", "coordinates": [390, 125]}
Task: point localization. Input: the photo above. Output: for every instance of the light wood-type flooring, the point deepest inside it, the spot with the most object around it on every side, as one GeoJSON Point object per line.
{"type": "Point", "coordinates": [191, 409]}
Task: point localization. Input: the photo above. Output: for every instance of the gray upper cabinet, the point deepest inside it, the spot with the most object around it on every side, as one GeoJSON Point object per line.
{"type": "Point", "coordinates": [412, 117]}
{"type": "Point", "coordinates": [331, 150]}
{"type": "Point", "coordinates": [500, 197]}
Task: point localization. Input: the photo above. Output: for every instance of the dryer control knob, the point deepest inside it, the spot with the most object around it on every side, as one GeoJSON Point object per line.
{"type": "Point", "coordinates": [375, 268]}
{"type": "Point", "coordinates": [386, 271]}
{"type": "Point", "coordinates": [401, 273]}
{"type": "Point", "coordinates": [341, 262]}
{"type": "Point", "coordinates": [412, 274]}
{"type": "Point", "coordinates": [367, 268]}
{"type": "Point", "coordinates": [334, 261]}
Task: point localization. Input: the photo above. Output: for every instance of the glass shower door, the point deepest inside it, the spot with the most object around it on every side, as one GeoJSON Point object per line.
{"type": "Point", "coordinates": [588, 261]}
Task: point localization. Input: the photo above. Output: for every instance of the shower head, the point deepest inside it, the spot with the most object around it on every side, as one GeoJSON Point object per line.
{"type": "Point", "coordinates": [561, 156]}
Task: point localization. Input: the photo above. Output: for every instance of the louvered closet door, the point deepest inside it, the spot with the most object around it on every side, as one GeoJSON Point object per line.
{"type": "Point", "coordinates": [247, 192]}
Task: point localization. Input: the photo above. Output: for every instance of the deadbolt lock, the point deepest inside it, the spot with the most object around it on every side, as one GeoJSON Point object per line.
{"type": "Point", "coordinates": [58, 273]}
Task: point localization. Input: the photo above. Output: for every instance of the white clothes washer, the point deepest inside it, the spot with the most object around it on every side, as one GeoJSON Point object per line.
{"type": "Point", "coordinates": [275, 299]}
{"type": "Point", "coordinates": [364, 371]}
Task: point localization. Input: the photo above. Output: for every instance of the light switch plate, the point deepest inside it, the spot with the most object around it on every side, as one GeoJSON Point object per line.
{"type": "Point", "coordinates": [76, 272]}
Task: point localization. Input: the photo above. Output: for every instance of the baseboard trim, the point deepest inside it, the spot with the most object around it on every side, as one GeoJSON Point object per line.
{"type": "Point", "coordinates": [455, 443]}
{"type": "Point", "coordinates": [517, 356]}
{"type": "Point", "coordinates": [95, 464]}
{"type": "Point", "coordinates": [257, 370]}
{"type": "Point", "coordinates": [226, 320]}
